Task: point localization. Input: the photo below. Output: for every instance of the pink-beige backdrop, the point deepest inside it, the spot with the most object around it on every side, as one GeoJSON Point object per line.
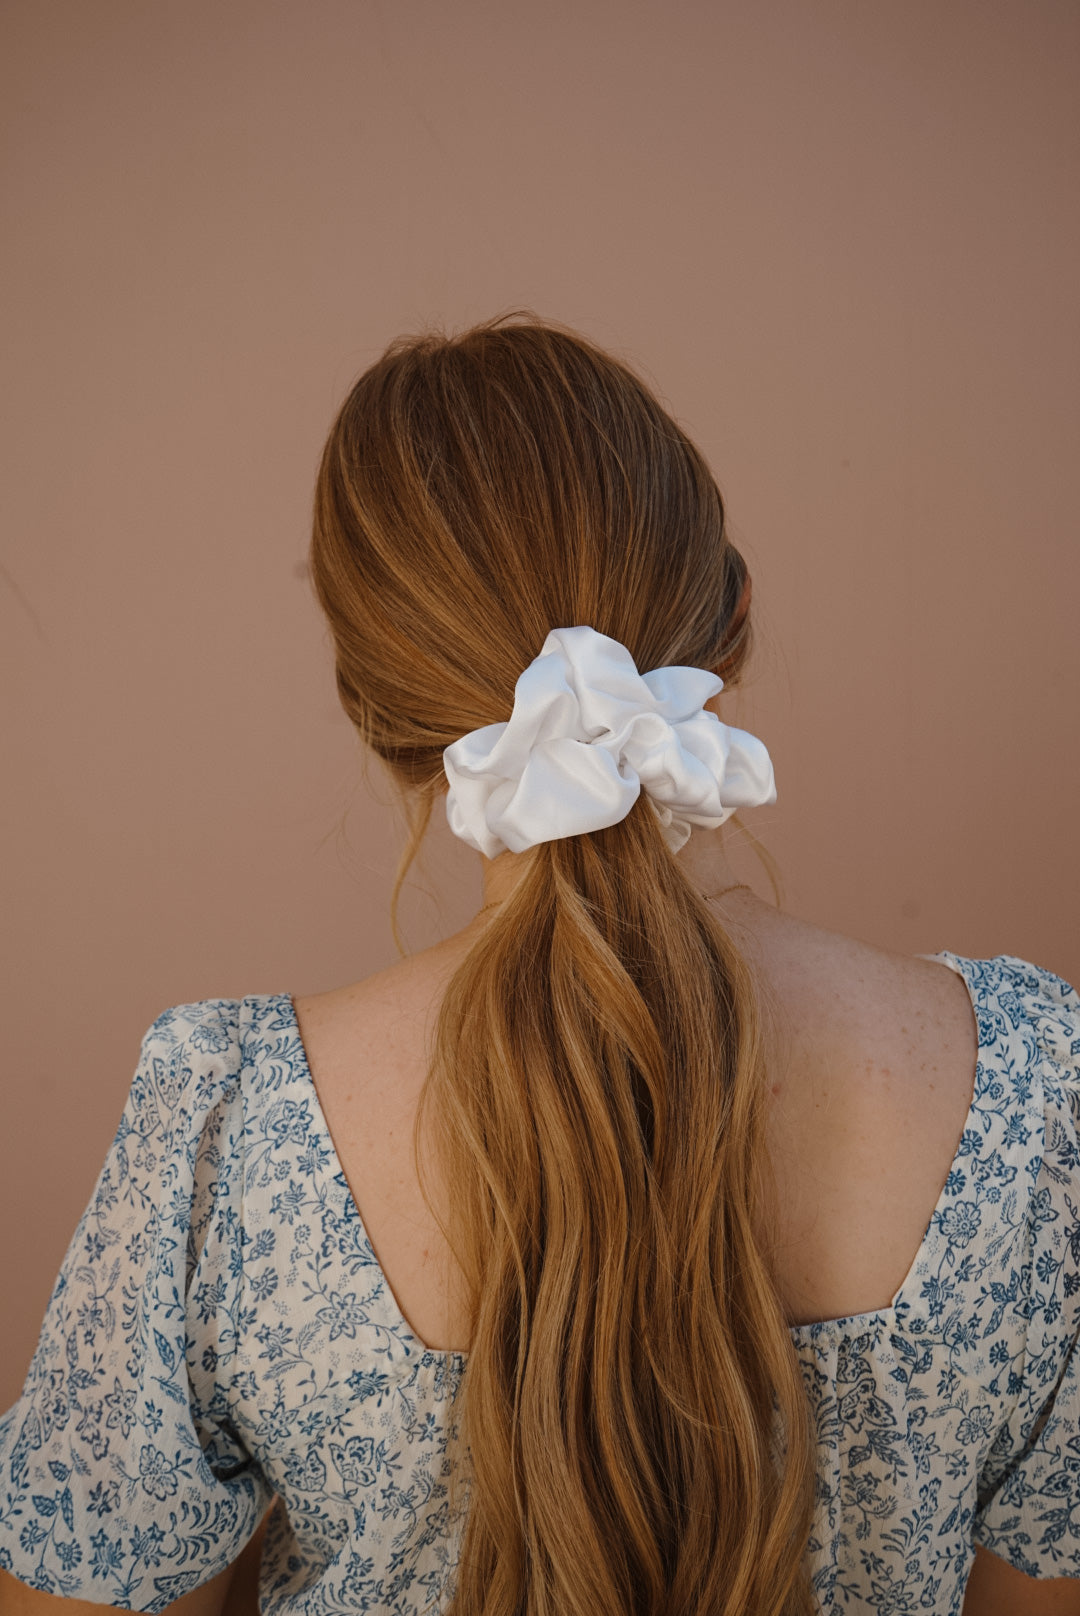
{"type": "Point", "coordinates": [841, 239]}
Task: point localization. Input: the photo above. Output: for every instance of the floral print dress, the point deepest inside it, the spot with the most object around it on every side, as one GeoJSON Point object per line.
{"type": "Point", "coordinates": [221, 1339]}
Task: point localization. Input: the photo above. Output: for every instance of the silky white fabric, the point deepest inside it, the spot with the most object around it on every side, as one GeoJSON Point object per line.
{"type": "Point", "coordinates": [587, 735]}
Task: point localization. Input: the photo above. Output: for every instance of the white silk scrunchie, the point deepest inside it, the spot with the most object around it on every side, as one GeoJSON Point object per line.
{"type": "Point", "coordinates": [587, 735]}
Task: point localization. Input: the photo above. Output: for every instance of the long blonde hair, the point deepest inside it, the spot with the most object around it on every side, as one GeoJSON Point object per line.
{"type": "Point", "coordinates": [631, 1425]}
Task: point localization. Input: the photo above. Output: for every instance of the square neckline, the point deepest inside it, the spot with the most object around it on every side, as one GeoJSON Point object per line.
{"type": "Point", "coordinates": [811, 1330]}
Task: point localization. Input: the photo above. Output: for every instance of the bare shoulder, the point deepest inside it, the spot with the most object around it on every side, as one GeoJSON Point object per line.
{"type": "Point", "coordinates": [873, 1057]}
{"type": "Point", "coordinates": [854, 986]}
{"type": "Point", "coordinates": [377, 1030]}
{"type": "Point", "coordinates": [864, 1012]}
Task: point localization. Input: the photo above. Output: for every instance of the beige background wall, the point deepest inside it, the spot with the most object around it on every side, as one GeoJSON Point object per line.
{"type": "Point", "coordinates": [841, 238]}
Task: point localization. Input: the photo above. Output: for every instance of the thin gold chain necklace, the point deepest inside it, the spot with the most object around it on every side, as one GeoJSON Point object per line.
{"type": "Point", "coordinates": [740, 886]}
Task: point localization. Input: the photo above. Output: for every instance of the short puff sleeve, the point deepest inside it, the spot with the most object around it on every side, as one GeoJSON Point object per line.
{"type": "Point", "coordinates": [1029, 1494]}
{"type": "Point", "coordinates": [1031, 1515]}
{"type": "Point", "coordinates": [123, 1478]}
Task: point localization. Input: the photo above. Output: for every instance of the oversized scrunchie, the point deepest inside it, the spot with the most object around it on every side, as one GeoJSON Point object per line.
{"type": "Point", "coordinates": [589, 733]}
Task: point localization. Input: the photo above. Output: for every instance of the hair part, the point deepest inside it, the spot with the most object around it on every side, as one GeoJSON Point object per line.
{"type": "Point", "coordinates": [630, 1431]}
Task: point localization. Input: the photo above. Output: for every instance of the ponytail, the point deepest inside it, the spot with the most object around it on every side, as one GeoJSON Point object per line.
{"type": "Point", "coordinates": [630, 1432]}
{"type": "Point", "coordinates": [598, 1092]}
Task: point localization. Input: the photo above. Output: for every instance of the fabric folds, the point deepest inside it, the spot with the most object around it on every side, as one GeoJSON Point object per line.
{"type": "Point", "coordinates": [588, 733]}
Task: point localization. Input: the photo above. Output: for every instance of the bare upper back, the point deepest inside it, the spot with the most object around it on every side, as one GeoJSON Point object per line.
{"type": "Point", "coordinates": [873, 1071]}
{"type": "Point", "coordinates": [871, 1064]}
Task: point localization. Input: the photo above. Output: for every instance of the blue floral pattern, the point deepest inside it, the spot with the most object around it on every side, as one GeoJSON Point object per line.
{"type": "Point", "coordinates": [221, 1338]}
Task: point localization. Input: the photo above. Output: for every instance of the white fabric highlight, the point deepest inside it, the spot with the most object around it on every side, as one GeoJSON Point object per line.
{"type": "Point", "coordinates": [588, 733]}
